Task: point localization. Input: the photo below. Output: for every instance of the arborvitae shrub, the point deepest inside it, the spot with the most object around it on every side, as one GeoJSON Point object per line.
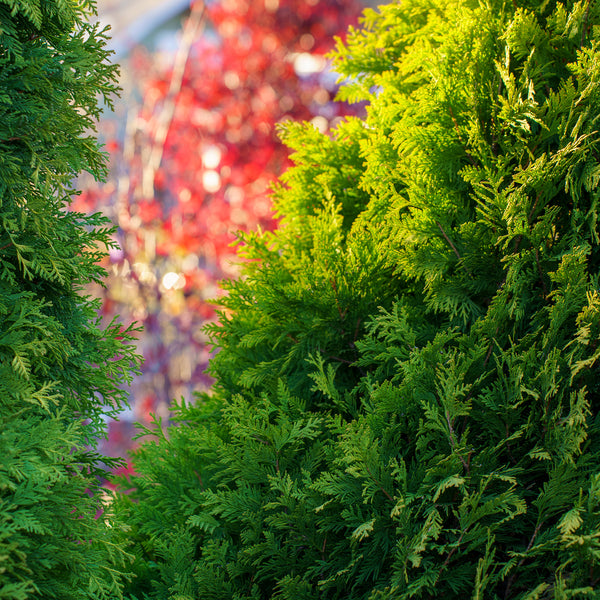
{"type": "Point", "coordinates": [407, 392]}
{"type": "Point", "coordinates": [60, 370]}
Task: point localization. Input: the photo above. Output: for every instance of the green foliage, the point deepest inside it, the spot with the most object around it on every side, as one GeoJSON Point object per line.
{"type": "Point", "coordinates": [60, 370]}
{"type": "Point", "coordinates": [406, 400]}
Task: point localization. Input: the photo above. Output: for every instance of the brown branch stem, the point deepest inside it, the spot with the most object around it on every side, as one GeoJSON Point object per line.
{"type": "Point", "coordinates": [530, 215]}
{"type": "Point", "coordinates": [529, 545]}
{"type": "Point", "coordinates": [584, 29]}
{"type": "Point", "coordinates": [379, 485]}
{"type": "Point", "coordinates": [452, 246]}
{"type": "Point", "coordinates": [447, 561]}
{"type": "Point", "coordinates": [541, 274]}
{"type": "Point", "coordinates": [453, 442]}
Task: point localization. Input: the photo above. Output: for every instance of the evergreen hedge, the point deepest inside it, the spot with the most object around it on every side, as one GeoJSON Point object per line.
{"type": "Point", "coordinates": [60, 370]}
{"type": "Point", "coordinates": [407, 392]}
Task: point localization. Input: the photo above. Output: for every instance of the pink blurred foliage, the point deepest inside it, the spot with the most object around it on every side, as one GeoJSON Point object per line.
{"type": "Point", "coordinates": [193, 165]}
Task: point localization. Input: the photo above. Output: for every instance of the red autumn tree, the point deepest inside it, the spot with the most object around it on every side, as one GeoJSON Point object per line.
{"type": "Point", "coordinates": [194, 166]}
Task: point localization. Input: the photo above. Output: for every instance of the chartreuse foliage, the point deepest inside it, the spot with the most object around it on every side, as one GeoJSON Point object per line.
{"type": "Point", "coordinates": [407, 393]}
{"type": "Point", "coordinates": [58, 365]}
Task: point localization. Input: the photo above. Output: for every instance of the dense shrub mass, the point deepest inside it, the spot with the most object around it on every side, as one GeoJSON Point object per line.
{"type": "Point", "coordinates": [60, 372]}
{"type": "Point", "coordinates": [407, 390]}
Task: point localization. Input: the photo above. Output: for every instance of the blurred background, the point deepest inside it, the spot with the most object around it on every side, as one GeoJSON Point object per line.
{"type": "Point", "coordinates": [193, 150]}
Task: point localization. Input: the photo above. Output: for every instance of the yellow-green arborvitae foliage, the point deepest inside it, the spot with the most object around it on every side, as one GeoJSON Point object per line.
{"type": "Point", "coordinates": [407, 386]}
{"type": "Point", "coordinates": [58, 365]}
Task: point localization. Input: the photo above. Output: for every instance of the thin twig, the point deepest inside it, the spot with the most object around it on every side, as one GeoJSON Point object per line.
{"type": "Point", "coordinates": [584, 29]}
{"type": "Point", "coordinates": [508, 448]}
{"type": "Point", "coordinates": [471, 159]}
{"type": "Point", "coordinates": [447, 561]}
{"type": "Point", "coordinates": [453, 247]}
{"type": "Point", "coordinates": [342, 360]}
{"type": "Point", "coordinates": [455, 125]}
{"type": "Point", "coordinates": [537, 260]}
{"type": "Point", "coordinates": [489, 352]}
{"type": "Point", "coordinates": [453, 442]}
{"type": "Point", "coordinates": [191, 30]}
{"type": "Point", "coordinates": [512, 577]}
{"type": "Point", "coordinates": [518, 241]}
{"type": "Point", "coordinates": [387, 494]}
{"type": "Point", "coordinates": [356, 330]}
{"type": "Point", "coordinates": [342, 313]}
{"type": "Point", "coordinates": [530, 215]}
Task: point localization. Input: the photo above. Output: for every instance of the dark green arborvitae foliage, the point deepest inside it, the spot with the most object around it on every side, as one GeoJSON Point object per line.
{"type": "Point", "coordinates": [60, 370]}
{"type": "Point", "coordinates": [407, 390]}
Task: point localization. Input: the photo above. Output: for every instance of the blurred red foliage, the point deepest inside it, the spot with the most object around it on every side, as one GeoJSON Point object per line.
{"type": "Point", "coordinates": [194, 165]}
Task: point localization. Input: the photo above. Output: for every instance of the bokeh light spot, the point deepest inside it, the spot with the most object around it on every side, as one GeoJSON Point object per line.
{"type": "Point", "coordinates": [211, 181]}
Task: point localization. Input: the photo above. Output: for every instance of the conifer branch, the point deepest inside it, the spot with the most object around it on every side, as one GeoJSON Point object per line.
{"type": "Point", "coordinates": [61, 372]}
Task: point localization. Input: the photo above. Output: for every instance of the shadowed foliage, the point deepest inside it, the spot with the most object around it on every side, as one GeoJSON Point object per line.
{"type": "Point", "coordinates": [60, 371]}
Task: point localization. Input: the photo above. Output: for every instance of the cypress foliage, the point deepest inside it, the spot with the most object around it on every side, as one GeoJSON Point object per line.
{"type": "Point", "coordinates": [406, 398]}
{"type": "Point", "coordinates": [60, 370]}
